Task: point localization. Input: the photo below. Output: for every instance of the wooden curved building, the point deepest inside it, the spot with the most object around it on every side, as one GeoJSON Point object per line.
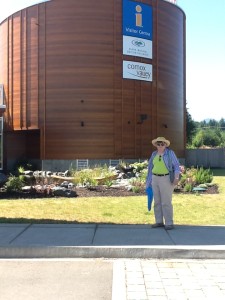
{"type": "Point", "coordinates": [65, 89]}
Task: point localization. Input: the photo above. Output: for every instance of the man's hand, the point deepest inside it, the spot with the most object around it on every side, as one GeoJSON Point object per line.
{"type": "Point", "coordinates": [176, 180]}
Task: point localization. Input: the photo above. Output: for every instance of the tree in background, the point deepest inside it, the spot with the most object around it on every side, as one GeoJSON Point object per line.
{"type": "Point", "coordinates": [212, 123]}
{"type": "Point", "coordinates": [210, 133]}
{"type": "Point", "coordinates": [191, 126]}
{"type": "Point", "coordinates": [208, 137]}
{"type": "Point", "coordinates": [222, 124]}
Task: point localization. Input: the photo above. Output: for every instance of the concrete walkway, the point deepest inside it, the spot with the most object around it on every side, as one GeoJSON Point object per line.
{"type": "Point", "coordinates": [111, 241]}
{"type": "Point", "coordinates": [140, 263]}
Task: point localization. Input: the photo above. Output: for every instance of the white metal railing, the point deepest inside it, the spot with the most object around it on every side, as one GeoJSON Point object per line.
{"type": "Point", "coordinates": [82, 164]}
{"type": "Point", "coordinates": [114, 162]}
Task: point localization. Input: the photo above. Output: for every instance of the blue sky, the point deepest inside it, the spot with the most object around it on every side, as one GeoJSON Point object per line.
{"type": "Point", "coordinates": [205, 56]}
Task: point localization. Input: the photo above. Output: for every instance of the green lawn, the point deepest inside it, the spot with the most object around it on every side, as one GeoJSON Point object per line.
{"type": "Point", "coordinates": [188, 209]}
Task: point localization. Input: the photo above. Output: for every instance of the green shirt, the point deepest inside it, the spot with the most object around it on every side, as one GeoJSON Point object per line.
{"type": "Point", "coordinates": [159, 166]}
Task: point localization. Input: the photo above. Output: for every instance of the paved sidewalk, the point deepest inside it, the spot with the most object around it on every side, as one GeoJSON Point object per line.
{"type": "Point", "coordinates": [110, 241]}
{"type": "Point", "coordinates": [184, 263]}
{"type": "Point", "coordinates": [168, 279]}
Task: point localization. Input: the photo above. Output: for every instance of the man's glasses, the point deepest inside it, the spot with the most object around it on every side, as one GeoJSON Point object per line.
{"type": "Point", "coordinates": [160, 144]}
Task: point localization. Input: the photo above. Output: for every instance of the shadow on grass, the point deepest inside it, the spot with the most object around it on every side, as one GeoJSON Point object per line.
{"type": "Point", "coordinates": [45, 221]}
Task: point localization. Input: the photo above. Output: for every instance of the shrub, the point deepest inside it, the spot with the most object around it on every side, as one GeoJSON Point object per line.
{"type": "Point", "coordinates": [136, 189]}
{"type": "Point", "coordinates": [137, 184]}
{"type": "Point", "coordinates": [208, 137]}
{"type": "Point", "coordinates": [143, 175]}
{"type": "Point", "coordinates": [192, 177]}
{"type": "Point", "coordinates": [188, 187]}
{"type": "Point", "coordinates": [14, 184]}
{"type": "Point", "coordinates": [85, 178]}
{"type": "Point", "coordinates": [108, 183]}
{"type": "Point", "coordinates": [139, 166]}
{"type": "Point", "coordinates": [203, 176]}
{"type": "Point", "coordinates": [92, 177]}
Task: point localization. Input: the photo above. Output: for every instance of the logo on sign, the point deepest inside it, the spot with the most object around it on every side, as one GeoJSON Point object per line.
{"type": "Point", "coordinates": [137, 71]}
{"type": "Point", "coordinates": [138, 16]}
{"type": "Point", "coordinates": [137, 19]}
{"type": "Point", "coordinates": [138, 43]}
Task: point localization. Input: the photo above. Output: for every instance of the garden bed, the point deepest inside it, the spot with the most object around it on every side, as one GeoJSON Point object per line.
{"type": "Point", "coordinates": [99, 191]}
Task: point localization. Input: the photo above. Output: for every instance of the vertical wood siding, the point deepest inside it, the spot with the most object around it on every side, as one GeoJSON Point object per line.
{"type": "Point", "coordinates": [62, 74]}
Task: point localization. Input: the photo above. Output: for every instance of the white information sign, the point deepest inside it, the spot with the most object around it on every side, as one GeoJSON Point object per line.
{"type": "Point", "coordinates": [137, 71]}
{"type": "Point", "coordinates": [137, 47]}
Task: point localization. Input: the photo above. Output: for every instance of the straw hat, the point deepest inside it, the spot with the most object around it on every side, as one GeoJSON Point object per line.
{"type": "Point", "coordinates": [161, 139]}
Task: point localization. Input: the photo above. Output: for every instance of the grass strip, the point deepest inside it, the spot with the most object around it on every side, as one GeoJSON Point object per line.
{"type": "Point", "coordinates": [191, 209]}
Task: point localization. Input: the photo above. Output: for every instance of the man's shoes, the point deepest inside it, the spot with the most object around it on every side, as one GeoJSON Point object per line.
{"type": "Point", "coordinates": [156, 225]}
{"type": "Point", "coordinates": [169, 227]}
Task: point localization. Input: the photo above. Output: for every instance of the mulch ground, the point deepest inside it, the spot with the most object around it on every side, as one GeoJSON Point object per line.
{"type": "Point", "coordinates": [102, 191]}
{"type": "Point", "coordinates": [211, 190]}
{"type": "Point", "coordinates": [99, 191]}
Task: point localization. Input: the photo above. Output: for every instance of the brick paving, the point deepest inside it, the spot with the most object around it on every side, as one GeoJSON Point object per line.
{"type": "Point", "coordinates": [143, 279]}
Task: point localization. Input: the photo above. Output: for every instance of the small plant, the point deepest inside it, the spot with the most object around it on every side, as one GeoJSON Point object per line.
{"type": "Point", "coordinates": [89, 179]}
{"type": "Point", "coordinates": [203, 176]}
{"type": "Point", "coordinates": [143, 175]}
{"type": "Point", "coordinates": [92, 177]}
{"type": "Point", "coordinates": [14, 184]}
{"type": "Point", "coordinates": [21, 169]}
{"type": "Point", "coordinates": [188, 187]}
{"type": "Point", "coordinates": [108, 183]}
{"type": "Point", "coordinates": [123, 164]}
{"type": "Point", "coordinates": [91, 183]}
{"type": "Point", "coordinates": [137, 184]}
{"type": "Point", "coordinates": [139, 166]}
{"type": "Point", "coordinates": [136, 189]}
{"type": "Point", "coordinates": [192, 177]}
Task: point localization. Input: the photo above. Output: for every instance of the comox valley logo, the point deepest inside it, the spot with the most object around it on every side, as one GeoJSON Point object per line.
{"type": "Point", "coordinates": [138, 43]}
{"type": "Point", "coordinates": [136, 70]}
{"type": "Point", "coordinates": [140, 72]}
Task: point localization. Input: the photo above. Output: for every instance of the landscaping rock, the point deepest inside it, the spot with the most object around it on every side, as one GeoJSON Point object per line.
{"type": "Point", "coordinates": [63, 192]}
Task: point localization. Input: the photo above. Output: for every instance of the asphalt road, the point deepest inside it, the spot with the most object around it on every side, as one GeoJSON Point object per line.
{"type": "Point", "coordinates": [56, 279]}
{"type": "Point", "coordinates": [112, 279]}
